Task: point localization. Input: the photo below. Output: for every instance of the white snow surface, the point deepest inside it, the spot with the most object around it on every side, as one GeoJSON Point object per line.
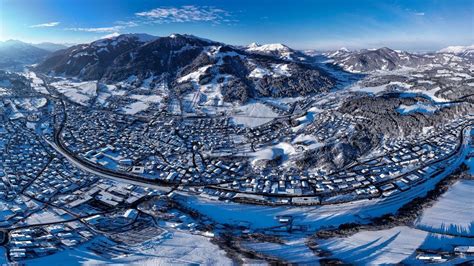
{"type": "Point", "coordinates": [78, 92]}
{"type": "Point", "coordinates": [456, 49]}
{"type": "Point", "coordinates": [181, 248]}
{"type": "Point", "coordinates": [277, 70]}
{"type": "Point", "coordinates": [253, 114]}
{"type": "Point", "coordinates": [259, 72]}
{"type": "Point", "coordinates": [292, 251]}
{"type": "Point", "coordinates": [282, 149]}
{"type": "Point", "coordinates": [282, 50]}
{"type": "Point", "coordinates": [36, 83]}
{"type": "Point", "coordinates": [194, 76]}
{"type": "Point", "coordinates": [389, 246]}
{"type": "Point", "coordinates": [453, 212]}
{"type": "Point", "coordinates": [135, 108]}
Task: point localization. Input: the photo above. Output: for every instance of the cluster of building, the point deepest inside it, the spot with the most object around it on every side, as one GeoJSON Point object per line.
{"type": "Point", "coordinates": [57, 178]}
{"type": "Point", "coordinates": [22, 158]}
{"type": "Point", "coordinates": [180, 150]}
{"type": "Point", "coordinates": [40, 241]}
{"type": "Point", "coordinates": [102, 195]}
{"type": "Point", "coordinates": [401, 166]}
{"type": "Point", "coordinates": [331, 125]}
{"type": "Point", "coordinates": [161, 149]}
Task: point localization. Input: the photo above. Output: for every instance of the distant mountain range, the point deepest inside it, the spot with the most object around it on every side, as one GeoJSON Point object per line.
{"type": "Point", "coordinates": [16, 54]}
{"type": "Point", "coordinates": [459, 50]}
{"type": "Point", "coordinates": [386, 59]}
{"type": "Point", "coordinates": [186, 62]}
{"type": "Point", "coordinates": [375, 59]}
{"type": "Point", "coordinates": [49, 46]}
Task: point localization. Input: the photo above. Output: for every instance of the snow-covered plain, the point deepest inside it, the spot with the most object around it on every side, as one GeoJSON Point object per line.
{"type": "Point", "coordinates": [4, 91]}
{"type": "Point", "coordinates": [292, 251]}
{"type": "Point", "coordinates": [253, 114]}
{"type": "Point", "coordinates": [178, 248]}
{"type": "Point", "coordinates": [78, 92]}
{"type": "Point", "coordinates": [453, 212]}
{"type": "Point", "coordinates": [36, 83]}
{"type": "Point", "coordinates": [282, 150]}
{"type": "Point", "coordinates": [377, 89]}
{"type": "Point", "coordinates": [275, 70]}
{"type": "Point", "coordinates": [135, 108]}
{"type": "Point", "coordinates": [31, 104]}
{"type": "Point", "coordinates": [389, 246]}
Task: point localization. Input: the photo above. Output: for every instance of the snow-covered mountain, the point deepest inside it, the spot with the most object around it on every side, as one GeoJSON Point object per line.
{"type": "Point", "coordinates": [367, 60]}
{"type": "Point", "coordinates": [90, 61]}
{"type": "Point", "coordinates": [275, 49]}
{"type": "Point", "coordinates": [340, 52]}
{"type": "Point", "coordinates": [186, 63]}
{"type": "Point", "coordinates": [15, 54]}
{"type": "Point", "coordinates": [459, 50]}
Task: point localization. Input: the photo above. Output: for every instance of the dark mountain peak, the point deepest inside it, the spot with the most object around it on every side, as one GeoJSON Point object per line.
{"type": "Point", "coordinates": [386, 49]}
{"type": "Point", "coordinates": [179, 40]}
{"type": "Point", "coordinates": [186, 62]}
{"type": "Point", "coordinates": [383, 58]}
{"type": "Point", "coordinates": [130, 37]}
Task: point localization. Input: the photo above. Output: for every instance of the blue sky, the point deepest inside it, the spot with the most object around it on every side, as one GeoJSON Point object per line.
{"type": "Point", "coordinates": [301, 24]}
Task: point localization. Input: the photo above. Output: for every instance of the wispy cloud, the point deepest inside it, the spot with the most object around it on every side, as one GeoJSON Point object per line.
{"type": "Point", "coordinates": [120, 25]}
{"type": "Point", "coordinates": [99, 29]}
{"type": "Point", "coordinates": [45, 25]}
{"type": "Point", "coordinates": [159, 15]}
{"type": "Point", "coordinates": [185, 14]}
{"type": "Point", "coordinates": [127, 24]}
{"type": "Point", "coordinates": [419, 13]}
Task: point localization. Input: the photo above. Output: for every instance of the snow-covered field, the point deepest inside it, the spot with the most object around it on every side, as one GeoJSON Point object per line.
{"type": "Point", "coordinates": [36, 83]}
{"type": "Point", "coordinates": [78, 92]}
{"type": "Point", "coordinates": [389, 246]}
{"type": "Point", "coordinates": [310, 141]}
{"type": "Point", "coordinates": [307, 119]}
{"type": "Point", "coordinates": [31, 104]}
{"type": "Point", "coordinates": [453, 212]}
{"type": "Point", "coordinates": [377, 89]}
{"type": "Point", "coordinates": [282, 149]}
{"type": "Point", "coordinates": [178, 249]}
{"type": "Point", "coordinates": [135, 108]}
{"type": "Point", "coordinates": [276, 70]}
{"type": "Point", "coordinates": [293, 251]}
{"type": "Point", "coordinates": [4, 91]}
{"type": "Point", "coordinates": [406, 88]}
{"type": "Point", "coordinates": [253, 114]}
{"type": "Point", "coordinates": [429, 93]}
